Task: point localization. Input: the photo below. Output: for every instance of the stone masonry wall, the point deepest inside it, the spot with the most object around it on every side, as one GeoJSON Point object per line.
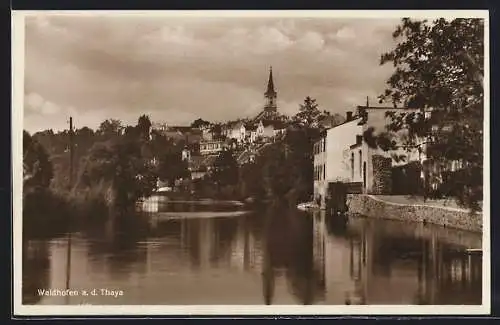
{"type": "Point", "coordinates": [372, 207]}
{"type": "Point", "coordinates": [382, 175]}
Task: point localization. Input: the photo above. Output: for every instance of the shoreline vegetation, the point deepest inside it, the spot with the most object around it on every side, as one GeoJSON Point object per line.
{"type": "Point", "coordinates": [87, 174]}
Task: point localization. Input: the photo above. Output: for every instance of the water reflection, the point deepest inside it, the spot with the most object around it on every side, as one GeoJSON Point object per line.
{"type": "Point", "coordinates": [269, 257]}
{"type": "Point", "coordinates": [36, 269]}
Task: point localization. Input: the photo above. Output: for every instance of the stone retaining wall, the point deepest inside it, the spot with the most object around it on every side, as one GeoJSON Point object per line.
{"type": "Point", "coordinates": [372, 207]}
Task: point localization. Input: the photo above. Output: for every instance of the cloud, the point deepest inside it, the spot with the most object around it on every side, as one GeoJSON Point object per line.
{"type": "Point", "coordinates": [179, 69]}
{"type": "Point", "coordinates": [36, 104]}
{"type": "Point", "coordinates": [345, 34]}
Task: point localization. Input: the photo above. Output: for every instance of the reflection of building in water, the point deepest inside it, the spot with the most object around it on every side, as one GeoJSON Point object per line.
{"type": "Point", "coordinates": [319, 233]}
{"type": "Point", "coordinates": [391, 268]}
{"type": "Point", "coordinates": [444, 268]}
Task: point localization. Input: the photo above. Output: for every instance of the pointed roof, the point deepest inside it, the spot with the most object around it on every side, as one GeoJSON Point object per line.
{"type": "Point", "coordinates": [270, 84]}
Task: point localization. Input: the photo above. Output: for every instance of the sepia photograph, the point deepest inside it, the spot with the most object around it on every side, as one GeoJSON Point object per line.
{"type": "Point", "coordinates": [251, 162]}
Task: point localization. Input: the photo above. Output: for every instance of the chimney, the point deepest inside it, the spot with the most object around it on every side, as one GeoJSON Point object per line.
{"type": "Point", "coordinates": [348, 116]}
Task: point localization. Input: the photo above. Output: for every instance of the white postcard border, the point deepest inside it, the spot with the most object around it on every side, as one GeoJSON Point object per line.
{"type": "Point", "coordinates": [18, 27]}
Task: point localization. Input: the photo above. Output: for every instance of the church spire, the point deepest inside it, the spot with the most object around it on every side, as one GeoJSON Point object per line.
{"type": "Point", "coordinates": [270, 85]}
{"type": "Point", "coordinates": [270, 108]}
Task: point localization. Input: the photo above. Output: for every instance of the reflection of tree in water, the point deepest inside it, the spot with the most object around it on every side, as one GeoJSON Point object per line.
{"type": "Point", "coordinates": [209, 239]}
{"type": "Point", "coordinates": [117, 241]}
{"type": "Point", "coordinates": [193, 227]}
{"type": "Point", "coordinates": [36, 270]}
{"type": "Point", "coordinates": [225, 232]}
{"type": "Point", "coordinates": [289, 246]}
{"type": "Point", "coordinates": [129, 230]}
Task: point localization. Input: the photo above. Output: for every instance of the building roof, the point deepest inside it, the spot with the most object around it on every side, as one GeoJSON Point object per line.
{"type": "Point", "coordinates": [387, 108]}
{"type": "Point", "coordinates": [266, 114]}
{"type": "Point", "coordinates": [274, 123]}
{"type": "Point", "coordinates": [251, 126]}
{"type": "Point", "coordinates": [182, 129]}
{"type": "Point", "coordinates": [270, 85]}
{"type": "Point", "coordinates": [355, 118]}
{"type": "Point", "coordinates": [173, 134]}
{"type": "Point", "coordinates": [238, 125]}
{"type": "Point", "coordinates": [331, 120]}
{"type": "Point", "coordinates": [200, 162]}
{"type": "Point", "coordinates": [211, 141]}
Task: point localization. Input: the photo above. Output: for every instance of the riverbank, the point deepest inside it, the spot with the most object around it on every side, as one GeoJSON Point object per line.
{"type": "Point", "coordinates": [386, 207]}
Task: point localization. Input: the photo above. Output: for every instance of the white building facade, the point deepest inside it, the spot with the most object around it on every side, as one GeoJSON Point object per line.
{"type": "Point", "coordinates": [211, 147]}
{"type": "Point", "coordinates": [343, 155]}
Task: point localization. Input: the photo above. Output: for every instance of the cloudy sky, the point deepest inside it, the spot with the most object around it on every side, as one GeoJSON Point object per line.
{"type": "Point", "coordinates": [177, 69]}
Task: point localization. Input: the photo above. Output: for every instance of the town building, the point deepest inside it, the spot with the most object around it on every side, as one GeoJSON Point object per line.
{"type": "Point", "coordinates": [342, 154]}
{"type": "Point", "coordinates": [236, 131]}
{"type": "Point", "coordinates": [211, 147]}
{"type": "Point", "coordinates": [207, 134]}
{"type": "Point", "coordinates": [269, 128]}
{"type": "Point", "coordinates": [251, 132]}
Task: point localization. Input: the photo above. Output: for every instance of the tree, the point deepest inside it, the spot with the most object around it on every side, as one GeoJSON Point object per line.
{"type": "Point", "coordinates": [217, 133]}
{"type": "Point", "coordinates": [144, 127]}
{"type": "Point", "coordinates": [310, 115]}
{"type": "Point", "coordinates": [171, 167]}
{"type": "Point", "coordinates": [439, 66]}
{"type": "Point", "coordinates": [226, 168]}
{"type": "Point", "coordinates": [130, 131]}
{"type": "Point", "coordinates": [37, 168]}
{"type": "Point", "coordinates": [84, 139]}
{"type": "Point", "coordinates": [110, 128]}
{"type": "Point", "coordinates": [200, 123]}
{"type": "Point", "coordinates": [120, 163]}
{"type": "Point", "coordinates": [308, 111]}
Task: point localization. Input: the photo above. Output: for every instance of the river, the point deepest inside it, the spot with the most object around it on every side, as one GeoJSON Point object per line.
{"type": "Point", "coordinates": [277, 256]}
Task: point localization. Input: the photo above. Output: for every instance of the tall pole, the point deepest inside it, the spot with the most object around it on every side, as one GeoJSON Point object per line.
{"type": "Point", "coordinates": [71, 153]}
{"type": "Point", "coordinates": [68, 253]}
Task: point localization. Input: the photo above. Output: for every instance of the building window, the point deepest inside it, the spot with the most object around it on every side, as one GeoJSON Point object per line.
{"type": "Point", "coordinates": [352, 165]}
{"type": "Point", "coordinates": [324, 172]}
{"type": "Point", "coordinates": [360, 163]}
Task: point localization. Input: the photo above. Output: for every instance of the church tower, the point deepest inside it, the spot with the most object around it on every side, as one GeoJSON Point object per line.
{"type": "Point", "coordinates": [270, 94]}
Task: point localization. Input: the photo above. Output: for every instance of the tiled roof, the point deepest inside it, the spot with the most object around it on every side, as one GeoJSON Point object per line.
{"type": "Point", "coordinates": [237, 125]}
{"type": "Point", "coordinates": [274, 124]}
{"type": "Point", "coordinates": [182, 129]}
{"type": "Point", "coordinates": [199, 162]}
{"type": "Point", "coordinates": [250, 127]}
